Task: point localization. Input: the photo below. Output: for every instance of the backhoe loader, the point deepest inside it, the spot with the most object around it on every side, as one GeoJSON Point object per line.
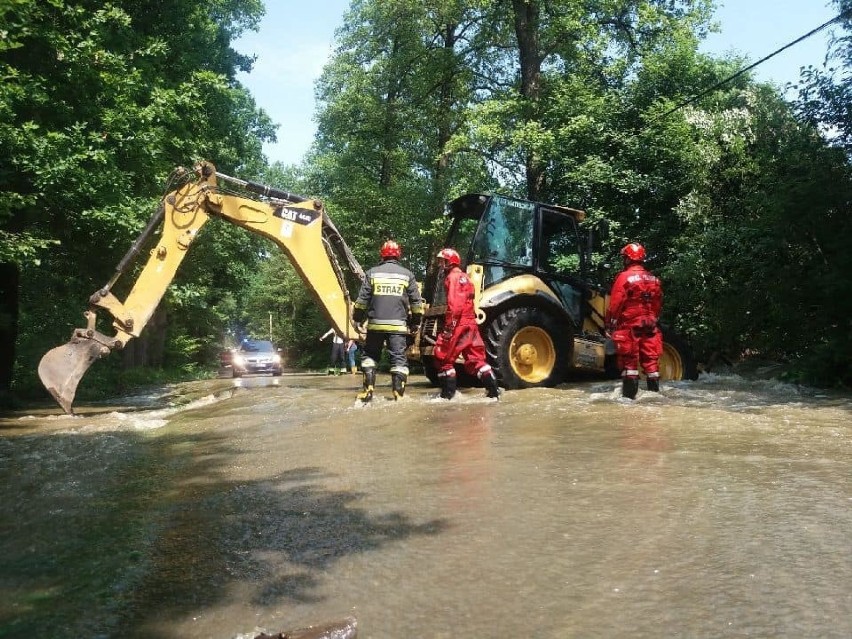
{"type": "Point", "coordinates": [540, 314]}
{"type": "Point", "coordinates": [299, 225]}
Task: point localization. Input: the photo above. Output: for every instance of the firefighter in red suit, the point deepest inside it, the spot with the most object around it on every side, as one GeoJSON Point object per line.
{"type": "Point", "coordinates": [461, 332]}
{"type": "Point", "coordinates": [634, 310]}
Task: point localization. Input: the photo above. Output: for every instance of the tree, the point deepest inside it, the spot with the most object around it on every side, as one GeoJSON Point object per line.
{"type": "Point", "coordinates": [100, 103]}
{"type": "Point", "coordinates": [391, 98]}
{"type": "Point", "coordinates": [580, 103]}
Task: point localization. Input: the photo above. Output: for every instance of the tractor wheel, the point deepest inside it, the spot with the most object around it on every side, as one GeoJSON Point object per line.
{"type": "Point", "coordinates": [676, 362]}
{"type": "Point", "coordinates": [528, 347]}
{"type": "Point", "coordinates": [611, 369]}
{"type": "Point", "coordinates": [430, 370]}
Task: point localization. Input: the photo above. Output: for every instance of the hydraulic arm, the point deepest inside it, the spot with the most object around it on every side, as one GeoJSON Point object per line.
{"type": "Point", "coordinates": [300, 226]}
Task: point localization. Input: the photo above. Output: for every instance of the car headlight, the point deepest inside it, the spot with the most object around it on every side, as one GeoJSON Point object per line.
{"type": "Point", "coordinates": [276, 358]}
{"type": "Point", "coordinates": [239, 360]}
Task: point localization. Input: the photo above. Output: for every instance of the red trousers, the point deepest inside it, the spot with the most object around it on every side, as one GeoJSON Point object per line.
{"type": "Point", "coordinates": [638, 346]}
{"type": "Point", "coordinates": [465, 341]}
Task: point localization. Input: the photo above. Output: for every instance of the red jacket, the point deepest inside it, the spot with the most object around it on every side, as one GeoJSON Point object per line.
{"type": "Point", "coordinates": [460, 295]}
{"type": "Point", "coordinates": [636, 298]}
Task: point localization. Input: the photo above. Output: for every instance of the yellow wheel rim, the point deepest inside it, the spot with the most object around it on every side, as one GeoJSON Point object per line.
{"type": "Point", "coordinates": [671, 363]}
{"type": "Point", "coordinates": [532, 354]}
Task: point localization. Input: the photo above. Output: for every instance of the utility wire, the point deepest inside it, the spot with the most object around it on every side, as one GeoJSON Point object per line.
{"type": "Point", "coordinates": [837, 18]}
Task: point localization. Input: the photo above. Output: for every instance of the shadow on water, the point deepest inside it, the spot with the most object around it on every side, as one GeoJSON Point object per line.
{"type": "Point", "coordinates": [113, 530]}
{"type": "Point", "coordinates": [713, 503]}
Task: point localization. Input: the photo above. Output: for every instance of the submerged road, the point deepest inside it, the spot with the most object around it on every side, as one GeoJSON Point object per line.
{"type": "Point", "coordinates": [217, 509]}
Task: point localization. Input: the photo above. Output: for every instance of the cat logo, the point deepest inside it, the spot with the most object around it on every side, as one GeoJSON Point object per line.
{"type": "Point", "coordinates": [299, 216]}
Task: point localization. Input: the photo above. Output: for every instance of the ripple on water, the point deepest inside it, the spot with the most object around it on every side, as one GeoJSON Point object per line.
{"type": "Point", "coordinates": [136, 420]}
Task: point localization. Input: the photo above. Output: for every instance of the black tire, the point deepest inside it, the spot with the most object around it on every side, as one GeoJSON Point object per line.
{"type": "Point", "coordinates": [528, 347]}
{"type": "Point", "coordinates": [677, 362]}
{"type": "Point", "coordinates": [465, 379]}
{"type": "Point", "coordinates": [611, 369]}
{"type": "Point", "coordinates": [430, 370]}
{"type": "Point", "coordinates": [237, 374]}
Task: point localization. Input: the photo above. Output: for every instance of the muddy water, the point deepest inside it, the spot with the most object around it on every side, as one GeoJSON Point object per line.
{"type": "Point", "coordinates": [720, 508]}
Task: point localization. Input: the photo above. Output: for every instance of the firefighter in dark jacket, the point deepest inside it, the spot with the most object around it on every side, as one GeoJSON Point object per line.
{"type": "Point", "coordinates": [461, 331]}
{"type": "Point", "coordinates": [632, 317]}
{"type": "Point", "coordinates": [389, 301]}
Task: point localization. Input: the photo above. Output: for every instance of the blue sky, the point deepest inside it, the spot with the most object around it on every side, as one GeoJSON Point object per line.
{"type": "Point", "coordinates": [296, 40]}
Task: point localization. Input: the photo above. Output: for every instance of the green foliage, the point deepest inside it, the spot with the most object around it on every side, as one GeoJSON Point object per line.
{"type": "Point", "coordinates": [98, 105]}
{"type": "Point", "coordinates": [277, 296]}
{"type": "Point", "coordinates": [742, 198]}
{"type": "Point", "coordinates": [761, 257]}
{"type": "Point", "coordinates": [740, 203]}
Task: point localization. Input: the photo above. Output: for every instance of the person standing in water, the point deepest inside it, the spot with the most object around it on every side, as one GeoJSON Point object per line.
{"type": "Point", "coordinates": [461, 332]}
{"type": "Point", "coordinates": [390, 303]}
{"type": "Point", "coordinates": [632, 317]}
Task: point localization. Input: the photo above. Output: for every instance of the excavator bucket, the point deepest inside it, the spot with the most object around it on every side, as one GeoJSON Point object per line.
{"type": "Point", "coordinates": [61, 368]}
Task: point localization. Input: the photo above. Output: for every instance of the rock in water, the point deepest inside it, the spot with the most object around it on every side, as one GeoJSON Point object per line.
{"type": "Point", "coordinates": [345, 629]}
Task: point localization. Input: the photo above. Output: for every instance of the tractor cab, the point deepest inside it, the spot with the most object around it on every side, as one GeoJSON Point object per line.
{"type": "Point", "coordinates": [507, 237]}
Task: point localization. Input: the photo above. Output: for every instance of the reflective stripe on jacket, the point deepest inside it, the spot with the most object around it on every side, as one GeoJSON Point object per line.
{"type": "Point", "coordinates": [388, 294]}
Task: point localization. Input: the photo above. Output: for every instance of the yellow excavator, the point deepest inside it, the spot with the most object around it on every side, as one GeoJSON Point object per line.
{"type": "Point", "coordinates": [300, 226]}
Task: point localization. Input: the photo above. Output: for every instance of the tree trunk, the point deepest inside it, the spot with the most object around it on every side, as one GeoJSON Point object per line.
{"type": "Point", "coordinates": [526, 13]}
{"type": "Point", "coordinates": [445, 125]}
{"type": "Point", "coordinates": [9, 300]}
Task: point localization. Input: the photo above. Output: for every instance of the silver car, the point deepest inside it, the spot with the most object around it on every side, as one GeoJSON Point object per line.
{"type": "Point", "coordinates": [256, 356]}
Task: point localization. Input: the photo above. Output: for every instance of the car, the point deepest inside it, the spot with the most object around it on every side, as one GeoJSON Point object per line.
{"type": "Point", "coordinates": [256, 356]}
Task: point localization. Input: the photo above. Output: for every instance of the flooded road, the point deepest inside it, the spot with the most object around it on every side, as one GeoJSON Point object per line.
{"type": "Point", "coordinates": [720, 508]}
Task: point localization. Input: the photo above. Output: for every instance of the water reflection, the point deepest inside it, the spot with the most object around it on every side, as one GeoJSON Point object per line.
{"type": "Point", "coordinates": [466, 447]}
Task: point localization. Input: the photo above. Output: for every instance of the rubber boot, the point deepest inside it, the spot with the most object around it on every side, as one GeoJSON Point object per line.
{"type": "Point", "coordinates": [490, 383]}
{"type": "Point", "coordinates": [653, 384]}
{"type": "Point", "coordinates": [629, 387]}
{"type": "Point", "coordinates": [398, 381]}
{"type": "Point", "coordinates": [366, 395]}
{"type": "Point", "coordinates": [448, 386]}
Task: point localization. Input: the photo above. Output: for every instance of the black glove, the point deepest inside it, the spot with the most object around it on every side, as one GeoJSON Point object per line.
{"type": "Point", "coordinates": [414, 323]}
{"type": "Point", "coordinates": [359, 315]}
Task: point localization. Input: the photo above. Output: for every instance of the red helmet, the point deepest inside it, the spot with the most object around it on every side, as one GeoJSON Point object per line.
{"type": "Point", "coordinates": [633, 252]}
{"type": "Point", "coordinates": [451, 255]}
{"type": "Point", "coordinates": [390, 250]}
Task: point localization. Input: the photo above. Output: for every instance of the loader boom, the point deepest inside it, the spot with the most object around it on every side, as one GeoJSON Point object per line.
{"type": "Point", "coordinates": [299, 226]}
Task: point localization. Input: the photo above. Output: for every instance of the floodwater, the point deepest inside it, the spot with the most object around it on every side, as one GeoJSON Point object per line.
{"type": "Point", "coordinates": [719, 508]}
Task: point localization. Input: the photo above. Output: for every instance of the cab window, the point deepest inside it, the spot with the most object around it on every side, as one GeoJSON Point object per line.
{"type": "Point", "coordinates": [506, 233]}
{"type": "Point", "coordinates": [560, 246]}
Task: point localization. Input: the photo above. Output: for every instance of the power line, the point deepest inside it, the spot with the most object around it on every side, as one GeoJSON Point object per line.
{"type": "Point", "coordinates": [836, 18]}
